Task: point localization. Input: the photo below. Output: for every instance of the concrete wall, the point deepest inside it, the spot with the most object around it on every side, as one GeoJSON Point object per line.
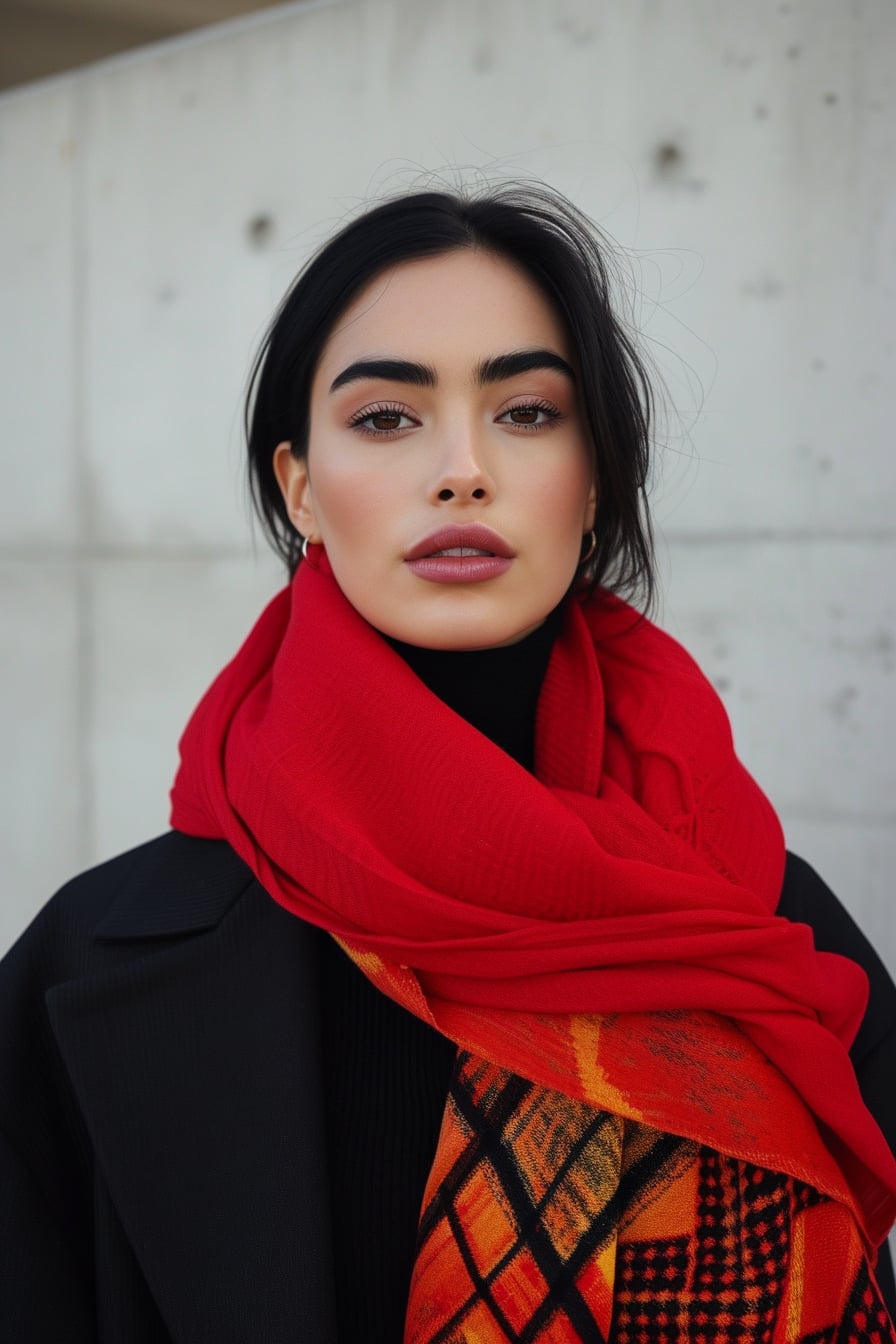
{"type": "Point", "coordinates": [155, 207]}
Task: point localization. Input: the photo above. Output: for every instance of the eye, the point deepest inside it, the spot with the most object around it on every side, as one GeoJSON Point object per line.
{"type": "Point", "coordinates": [381, 421]}
{"type": "Point", "coordinates": [531, 415]}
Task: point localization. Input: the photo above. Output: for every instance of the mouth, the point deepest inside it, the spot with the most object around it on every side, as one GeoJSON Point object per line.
{"type": "Point", "coordinates": [461, 554]}
{"type": "Point", "coordinates": [460, 550]}
{"type": "Point", "coordinates": [469, 542]}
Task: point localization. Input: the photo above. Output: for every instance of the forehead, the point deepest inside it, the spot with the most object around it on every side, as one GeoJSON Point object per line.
{"type": "Point", "coordinates": [450, 311]}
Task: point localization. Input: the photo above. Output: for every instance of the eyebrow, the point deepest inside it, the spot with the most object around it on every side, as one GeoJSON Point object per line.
{"type": "Point", "coordinates": [499, 367]}
{"type": "Point", "coordinates": [493, 370]}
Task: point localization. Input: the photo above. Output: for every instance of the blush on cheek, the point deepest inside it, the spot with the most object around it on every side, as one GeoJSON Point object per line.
{"type": "Point", "coordinates": [563, 497]}
{"type": "Point", "coordinates": [353, 505]}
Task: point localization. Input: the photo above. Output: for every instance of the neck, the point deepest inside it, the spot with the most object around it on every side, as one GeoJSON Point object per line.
{"type": "Point", "coordinates": [495, 690]}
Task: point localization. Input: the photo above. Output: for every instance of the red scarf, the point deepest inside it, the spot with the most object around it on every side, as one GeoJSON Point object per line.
{"type": "Point", "coordinates": [599, 927]}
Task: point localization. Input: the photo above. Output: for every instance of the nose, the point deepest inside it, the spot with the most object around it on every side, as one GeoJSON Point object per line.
{"type": "Point", "coordinates": [461, 473]}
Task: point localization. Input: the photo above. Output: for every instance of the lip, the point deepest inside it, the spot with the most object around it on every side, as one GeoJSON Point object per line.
{"type": "Point", "coordinates": [475, 536]}
{"type": "Point", "coordinates": [459, 569]}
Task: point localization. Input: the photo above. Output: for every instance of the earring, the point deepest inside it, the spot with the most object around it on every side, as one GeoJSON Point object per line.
{"type": "Point", "coordinates": [304, 548]}
{"type": "Point", "coordinates": [592, 547]}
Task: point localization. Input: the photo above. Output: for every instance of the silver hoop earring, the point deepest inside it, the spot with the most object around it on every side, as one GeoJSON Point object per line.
{"type": "Point", "coordinates": [592, 547]}
{"type": "Point", "coordinates": [304, 548]}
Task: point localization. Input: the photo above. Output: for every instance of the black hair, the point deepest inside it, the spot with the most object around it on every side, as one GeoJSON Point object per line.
{"type": "Point", "coordinates": [551, 241]}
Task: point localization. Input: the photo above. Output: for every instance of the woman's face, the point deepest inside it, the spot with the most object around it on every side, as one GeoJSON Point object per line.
{"type": "Point", "coordinates": [446, 399]}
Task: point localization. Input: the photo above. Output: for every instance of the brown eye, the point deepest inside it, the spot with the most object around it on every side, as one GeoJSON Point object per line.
{"type": "Point", "coordinates": [381, 421]}
{"type": "Point", "coordinates": [385, 421]}
{"type": "Point", "coordinates": [531, 415]}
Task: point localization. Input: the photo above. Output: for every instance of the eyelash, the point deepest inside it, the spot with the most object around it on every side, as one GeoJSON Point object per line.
{"type": "Point", "coordinates": [368, 412]}
{"type": "Point", "coordinates": [357, 421]}
{"type": "Point", "coordinates": [554, 416]}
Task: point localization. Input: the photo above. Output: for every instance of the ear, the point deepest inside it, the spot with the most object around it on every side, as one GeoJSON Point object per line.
{"type": "Point", "coordinates": [295, 486]}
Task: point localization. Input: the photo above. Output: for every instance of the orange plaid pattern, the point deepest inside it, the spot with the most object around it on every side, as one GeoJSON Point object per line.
{"type": "Point", "coordinates": [545, 1219]}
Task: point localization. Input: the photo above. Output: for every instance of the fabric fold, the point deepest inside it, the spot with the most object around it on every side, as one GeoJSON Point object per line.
{"type": "Point", "coordinates": [605, 928]}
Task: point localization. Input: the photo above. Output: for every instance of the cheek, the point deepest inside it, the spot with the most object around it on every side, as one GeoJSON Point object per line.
{"type": "Point", "coordinates": [350, 500]}
{"type": "Point", "coordinates": [561, 493]}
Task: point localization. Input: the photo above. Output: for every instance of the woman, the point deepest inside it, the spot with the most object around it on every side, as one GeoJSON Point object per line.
{"type": "Point", "coordinates": [520, 1048]}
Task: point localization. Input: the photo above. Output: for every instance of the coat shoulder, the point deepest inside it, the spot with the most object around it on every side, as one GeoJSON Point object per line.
{"type": "Point", "coordinates": [57, 1212]}
{"type": "Point", "coordinates": [807, 899]}
{"type": "Point", "coordinates": [174, 883]}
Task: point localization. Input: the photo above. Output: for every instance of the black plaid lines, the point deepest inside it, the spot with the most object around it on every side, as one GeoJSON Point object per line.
{"type": "Point", "coordinates": [552, 1164]}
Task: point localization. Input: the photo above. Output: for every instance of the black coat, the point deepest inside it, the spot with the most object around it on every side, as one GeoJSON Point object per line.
{"type": "Point", "coordinates": [162, 1159]}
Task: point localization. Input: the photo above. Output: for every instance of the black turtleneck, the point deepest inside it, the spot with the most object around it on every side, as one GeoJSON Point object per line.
{"type": "Point", "coordinates": [494, 689]}
{"type": "Point", "coordinates": [386, 1073]}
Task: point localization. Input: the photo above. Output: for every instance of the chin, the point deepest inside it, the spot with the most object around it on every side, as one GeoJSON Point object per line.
{"type": "Point", "coordinates": [464, 637]}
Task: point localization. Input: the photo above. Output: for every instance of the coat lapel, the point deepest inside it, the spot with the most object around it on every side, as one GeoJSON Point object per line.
{"type": "Point", "coordinates": [195, 1058]}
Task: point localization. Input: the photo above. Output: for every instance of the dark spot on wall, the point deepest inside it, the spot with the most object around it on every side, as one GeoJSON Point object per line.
{"type": "Point", "coordinates": [577, 32]}
{"type": "Point", "coordinates": [878, 645]}
{"type": "Point", "coordinates": [824, 464]}
{"type": "Point", "coordinates": [882, 644]}
{"type": "Point", "coordinates": [841, 703]}
{"type": "Point", "coordinates": [760, 112]}
{"type": "Point", "coordinates": [260, 230]}
{"type": "Point", "coordinates": [722, 684]}
{"type": "Point", "coordinates": [818, 365]}
{"type": "Point", "coordinates": [831, 98]}
{"type": "Point", "coordinates": [166, 294]}
{"type": "Point", "coordinates": [793, 52]}
{"type": "Point", "coordinates": [763, 286]}
{"type": "Point", "coordinates": [668, 159]}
